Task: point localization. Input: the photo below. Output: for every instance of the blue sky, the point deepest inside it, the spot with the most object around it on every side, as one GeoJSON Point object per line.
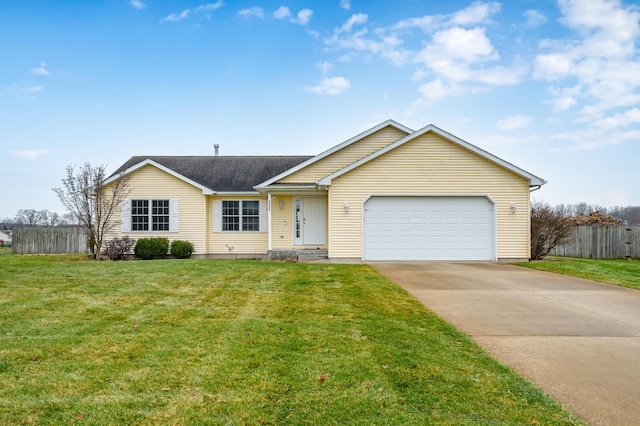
{"type": "Point", "coordinates": [553, 87]}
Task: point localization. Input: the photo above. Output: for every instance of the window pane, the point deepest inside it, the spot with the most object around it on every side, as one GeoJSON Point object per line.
{"type": "Point", "coordinates": [250, 215]}
{"type": "Point", "coordinates": [231, 215]}
{"type": "Point", "coordinates": [160, 215]}
{"type": "Point", "coordinates": [139, 215]}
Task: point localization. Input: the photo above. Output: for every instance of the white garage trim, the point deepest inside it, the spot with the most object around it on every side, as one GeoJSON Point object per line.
{"type": "Point", "coordinates": [430, 203]}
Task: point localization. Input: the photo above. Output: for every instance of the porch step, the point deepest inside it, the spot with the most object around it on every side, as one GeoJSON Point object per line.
{"type": "Point", "coordinates": [308, 255]}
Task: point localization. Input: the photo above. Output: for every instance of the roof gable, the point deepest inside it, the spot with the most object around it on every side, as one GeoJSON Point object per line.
{"type": "Point", "coordinates": [334, 149]}
{"type": "Point", "coordinates": [533, 180]}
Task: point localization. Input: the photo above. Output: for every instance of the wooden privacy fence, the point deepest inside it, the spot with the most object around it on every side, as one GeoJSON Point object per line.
{"type": "Point", "coordinates": [601, 242]}
{"type": "Point", "coordinates": [50, 240]}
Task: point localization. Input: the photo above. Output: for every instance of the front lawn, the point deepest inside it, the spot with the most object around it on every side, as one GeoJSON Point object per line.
{"type": "Point", "coordinates": [239, 342]}
{"type": "Point", "coordinates": [622, 272]}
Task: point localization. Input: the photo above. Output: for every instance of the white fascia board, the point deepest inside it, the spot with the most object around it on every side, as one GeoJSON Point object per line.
{"type": "Point", "coordinates": [533, 179]}
{"type": "Point", "coordinates": [336, 148]}
{"type": "Point", "coordinates": [286, 189]}
{"type": "Point", "coordinates": [237, 193]}
{"type": "Point", "coordinates": [148, 162]}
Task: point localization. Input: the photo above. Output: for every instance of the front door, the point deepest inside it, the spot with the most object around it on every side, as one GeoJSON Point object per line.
{"type": "Point", "coordinates": [309, 221]}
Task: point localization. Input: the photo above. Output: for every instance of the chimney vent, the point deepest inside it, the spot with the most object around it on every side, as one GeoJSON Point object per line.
{"type": "Point", "coordinates": [216, 147]}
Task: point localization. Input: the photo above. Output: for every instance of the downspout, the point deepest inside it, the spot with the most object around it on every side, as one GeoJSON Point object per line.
{"type": "Point", "coordinates": [535, 189]}
{"type": "Point", "coordinates": [269, 219]}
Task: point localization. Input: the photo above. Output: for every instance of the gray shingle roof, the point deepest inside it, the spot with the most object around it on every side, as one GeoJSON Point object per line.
{"type": "Point", "coordinates": [223, 173]}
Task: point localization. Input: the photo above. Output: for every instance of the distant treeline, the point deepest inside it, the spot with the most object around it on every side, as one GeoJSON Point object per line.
{"type": "Point", "coordinates": [31, 218]}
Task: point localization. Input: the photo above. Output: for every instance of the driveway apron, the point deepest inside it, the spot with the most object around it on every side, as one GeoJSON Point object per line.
{"type": "Point", "coordinates": [578, 340]}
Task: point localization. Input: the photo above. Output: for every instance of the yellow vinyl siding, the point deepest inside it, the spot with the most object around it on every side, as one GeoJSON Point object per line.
{"type": "Point", "coordinates": [346, 156]}
{"type": "Point", "coordinates": [150, 182]}
{"type": "Point", "coordinates": [282, 222]}
{"type": "Point", "coordinates": [236, 242]}
{"type": "Point", "coordinates": [429, 165]}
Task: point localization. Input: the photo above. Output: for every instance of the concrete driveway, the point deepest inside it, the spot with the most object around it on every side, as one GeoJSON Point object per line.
{"type": "Point", "coordinates": [576, 339]}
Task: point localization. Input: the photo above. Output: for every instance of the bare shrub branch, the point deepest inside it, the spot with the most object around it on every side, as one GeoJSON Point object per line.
{"type": "Point", "coordinates": [92, 203]}
{"type": "Point", "coordinates": [549, 228]}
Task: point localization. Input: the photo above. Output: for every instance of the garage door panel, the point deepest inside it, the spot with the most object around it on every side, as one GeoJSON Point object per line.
{"type": "Point", "coordinates": [428, 228]}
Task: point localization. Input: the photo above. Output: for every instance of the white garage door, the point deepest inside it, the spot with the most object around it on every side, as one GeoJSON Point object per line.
{"type": "Point", "coordinates": [428, 228]}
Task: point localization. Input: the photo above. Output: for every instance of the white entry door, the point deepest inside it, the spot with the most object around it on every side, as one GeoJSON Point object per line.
{"type": "Point", "coordinates": [309, 221]}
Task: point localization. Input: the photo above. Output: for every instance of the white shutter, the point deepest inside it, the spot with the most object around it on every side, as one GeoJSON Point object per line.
{"type": "Point", "coordinates": [125, 213]}
{"type": "Point", "coordinates": [174, 215]}
{"type": "Point", "coordinates": [263, 216]}
{"type": "Point", "coordinates": [217, 215]}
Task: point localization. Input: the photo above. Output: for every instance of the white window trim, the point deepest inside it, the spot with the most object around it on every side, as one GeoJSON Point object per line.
{"type": "Point", "coordinates": [174, 215]}
{"type": "Point", "coordinates": [217, 215]}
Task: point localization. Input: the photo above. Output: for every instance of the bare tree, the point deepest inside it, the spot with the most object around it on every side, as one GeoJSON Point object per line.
{"type": "Point", "coordinates": [68, 219]}
{"type": "Point", "coordinates": [549, 228]}
{"type": "Point", "coordinates": [91, 202]}
{"type": "Point", "coordinates": [29, 217]}
{"type": "Point", "coordinates": [49, 218]}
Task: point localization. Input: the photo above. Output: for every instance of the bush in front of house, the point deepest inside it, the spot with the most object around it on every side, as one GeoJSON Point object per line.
{"type": "Point", "coordinates": [181, 249]}
{"type": "Point", "coordinates": [152, 248]}
{"type": "Point", "coordinates": [119, 248]}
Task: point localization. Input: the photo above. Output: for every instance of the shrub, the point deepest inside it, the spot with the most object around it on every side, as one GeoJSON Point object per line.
{"type": "Point", "coordinates": [549, 228]}
{"type": "Point", "coordinates": [119, 248]}
{"type": "Point", "coordinates": [181, 249]}
{"type": "Point", "coordinates": [152, 248]}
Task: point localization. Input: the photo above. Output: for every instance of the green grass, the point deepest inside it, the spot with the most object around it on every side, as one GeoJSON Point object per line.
{"type": "Point", "coordinates": [622, 272]}
{"type": "Point", "coordinates": [239, 342]}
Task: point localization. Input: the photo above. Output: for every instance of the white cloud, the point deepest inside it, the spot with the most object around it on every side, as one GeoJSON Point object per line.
{"type": "Point", "coordinates": [175, 17]}
{"type": "Point", "coordinates": [437, 90]}
{"type": "Point", "coordinates": [208, 7]}
{"type": "Point", "coordinates": [457, 53]}
{"type": "Point", "coordinates": [282, 13]}
{"type": "Point", "coordinates": [458, 44]}
{"type": "Point", "coordinates": [617, 121]}
{"type": "Point", "coordinates": [303, 17]}
{"type": "Point", "coordinates": [514, 122]}
{"type": "Point", "coordinates": [427, 23]}
{"type": "Point", "coordinates": [565, 97]}
{"type": "Point", "coordinates": [387, 46]}
{"type": "Point", "coordinates": [602, 59]}
{"type": "Point", "coordinates": [345, 4]}
{"type": "Point", "coordinates": [324, 67]}
{"type": "Point", "coordinates": [553, 66]}
{"type": "Point", "coordinates": [137, 4]}
{"type": "Point", "coordinates": [252, 12]}
{"type": "Point", "coordinates": [330, 86]}
{"type": "Point", "coordinates": [419, 75]}
{"type": "Point", "coordinates": [29, 154]}
{"type": "Point", "coordinates": [26, 88]}
{"type": "Point", "coordinates": [357, 19]}
{"type": "Point", "coordinates": [478, 12]}
{"type": "Point", "coordinates": [592, 138]}
{"type": "Point", "coordinates": [41, 70]}
{"type": "Point", "coordinates": [534, 18]}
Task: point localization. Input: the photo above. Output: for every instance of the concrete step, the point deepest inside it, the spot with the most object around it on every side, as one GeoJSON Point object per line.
{"type": "Point", "coordinates": [299, 255]}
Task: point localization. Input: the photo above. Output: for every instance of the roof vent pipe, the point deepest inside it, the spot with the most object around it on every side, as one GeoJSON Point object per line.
{"type": "Point", "coordinates": [216, 147]}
